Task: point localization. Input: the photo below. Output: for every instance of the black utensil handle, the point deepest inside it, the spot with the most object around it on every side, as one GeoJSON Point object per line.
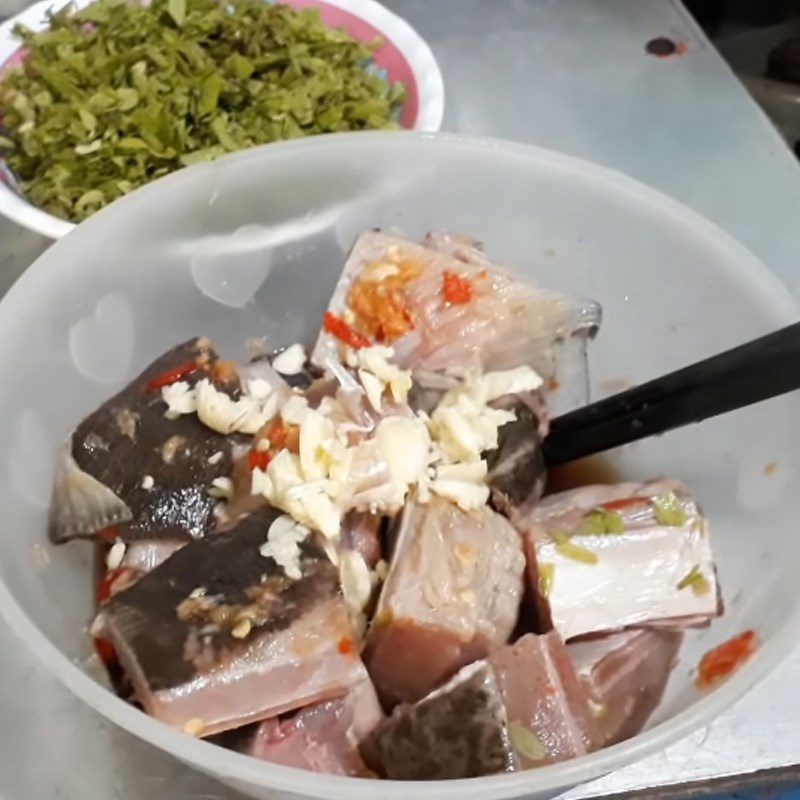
{"type": "Point", "coordinates": [748, 374]}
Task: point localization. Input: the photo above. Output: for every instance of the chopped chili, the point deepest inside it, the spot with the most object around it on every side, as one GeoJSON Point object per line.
{"type": "Point", "coordinates": [114, 581]}
{"type": "Point", "coordinates": [346, 646]}
{"type": "Point", "coordinates": [337, 327]}
{"type": "Point", "coordinates": [455, 289]}
{"type": "Point", "coordinates": [109, 534]}
{"type": "Point", "coordinates": [171, 376]}
{"type": "Point", "coordinates": [258, 459]}
{"type": "Point", "coordinates": [282, 437]}
{"type": "Point", "coordinates": [380, 307]}
{"type": "Point", "coordinates": [553, 385]}
{"type": "Point", "coordinates": [105, 650]}
{"type": "Point", "coordinates": [625, 502]}
{"type": "Point", "coordinates": [725, 659]}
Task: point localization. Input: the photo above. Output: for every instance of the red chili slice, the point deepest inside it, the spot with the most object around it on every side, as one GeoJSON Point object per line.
{"type": "Point", "coordinates": [171, 376]}
{"type": "Point", "coordinates": [625, 502]}
{"type": "Point", "coordinates": [455, 289]}
{"type": "Point", "coordinates": [725, 659]}
{"type": "Point", "coordinates": [337, 327]}
{"type": "Point", "coordinates": [123, 575]}
{"type": "Point", "coordinates": [258, 459]}
{"type": "Point", "coordinates": [346, 646]}
{"type": "Point", "coordinates": [105, 650]}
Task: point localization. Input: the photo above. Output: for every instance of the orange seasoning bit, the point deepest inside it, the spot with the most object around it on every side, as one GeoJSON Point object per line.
{"type": "Point", "coordinates": [457, 291]}
{"type": "Point", "coordinates": [337, 327]}
{"type": "Point", "coordinates": [346, 646]}
{"type": "Point", "coordinates": [378, 300]}
{"type": "Point", "coordinates": [725, 659]}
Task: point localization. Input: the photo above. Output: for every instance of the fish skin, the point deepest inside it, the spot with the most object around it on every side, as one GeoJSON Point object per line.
{"type": "Point", "coordinates": [516, 470]}
{"type": "Point", "coordinates": [452, 592]}
{"type": "Point", "coordinates": [188, 668]}
{"type": "Point", "coordinates": [458, 731]}
{"type": "Point", "coordinates": [99, 480]}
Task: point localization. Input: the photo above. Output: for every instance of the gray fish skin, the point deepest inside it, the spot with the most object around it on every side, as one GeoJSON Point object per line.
{"type": "Point", "coordinates": [458, 731]}
{"type": "Point", "coordinates": [99, 482]}
{"type": "Point", "coordinates": [193, 666]}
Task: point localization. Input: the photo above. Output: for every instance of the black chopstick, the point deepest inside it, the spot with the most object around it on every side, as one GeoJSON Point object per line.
{"type": "Point", "coordinates": [750, 373]}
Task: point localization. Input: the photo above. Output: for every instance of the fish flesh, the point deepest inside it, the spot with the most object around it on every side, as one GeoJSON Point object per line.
{"type": "Point", "coordinates": [622, 555]}
{"type": "Point", "coordinates": [219, 636]}
{"type": "Point", "coordinates": [128, 467]}
{"type": "Point", "coordinates": [393, 289]}
{"type": "Point", "coordinates": [361, 533]}
{"type": "Point", "coordinates": [625, 675]}
{"type": "Point", "coordinates": [322, 738]}
{"type": "Point", "coordinates": [523, 707]}
{"type": "Point", "coordinates": [452, 592]}
{"type": "Point", "coordinates": [550, 718]}
{"type": "Point", "coordinates": [458, 731]}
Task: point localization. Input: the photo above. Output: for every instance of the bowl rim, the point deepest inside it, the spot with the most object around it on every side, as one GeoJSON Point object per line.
{"type": "Point", "coordinates": [415, 49]}
{"type": "Point", "coordinates": [240, 769]}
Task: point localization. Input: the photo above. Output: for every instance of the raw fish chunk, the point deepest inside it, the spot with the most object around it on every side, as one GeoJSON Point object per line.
{"type": "Point", "coordinates": [324, 737]}
{"type": "Point", "coordinates": [546, 705]}
{"type": "Point", "coordinates": [219, 636]}
{"type": "Point", "coordinates": [452, 592]}
{"type": "Point", "coordinates": [458, 731]}
{"type": "Point", "coordinates": [392, 291]}
{"type": "Point", "coordinates": [625, 675]}
{"type": "Point", "coordinates": [128, 466]}
{"type": "Point", "coordinates": [609, 557]}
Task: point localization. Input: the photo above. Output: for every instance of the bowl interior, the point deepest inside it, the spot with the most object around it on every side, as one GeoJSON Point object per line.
{"type": "Point", "coordinates": [251, 246]}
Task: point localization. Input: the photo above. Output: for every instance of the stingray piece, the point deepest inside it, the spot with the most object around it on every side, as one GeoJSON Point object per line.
{"type": "Point", "coordinates": [393, 291]}
{"type": "Point", "coordinates": [130, 467]}
{"type": "Point", "coordinates": [517, 473]}
{"type": "Point", "coordinates": [607, 557]}
{"type": "Point", "coordinates": [625, 675]}
{"type": "Point", "coordinates": [452, 592]}
{"type": "Point", "coordinates": [219, 636]}
{"type": "Point", "coordinates": [550, 718]}
{"type": "Point", "coordinates": [322, 738]}
{"type": "Point", "coordinates": [458, 731]}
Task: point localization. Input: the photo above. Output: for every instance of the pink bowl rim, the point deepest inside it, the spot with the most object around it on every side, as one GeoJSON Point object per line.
{"type": "Point", "coordinates": [404, 38]}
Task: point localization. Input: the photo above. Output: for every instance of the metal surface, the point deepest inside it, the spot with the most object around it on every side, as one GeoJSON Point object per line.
{"type": "Point", "coordinates": [566, 74]}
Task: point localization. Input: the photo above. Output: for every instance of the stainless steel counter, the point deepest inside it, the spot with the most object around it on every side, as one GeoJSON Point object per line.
{"type": "Point", "coordinates": [571, 75]}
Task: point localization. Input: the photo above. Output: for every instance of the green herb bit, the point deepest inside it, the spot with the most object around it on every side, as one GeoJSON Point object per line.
{"type": "Point", "coordinates": [600, 521]}
{"type": "Point", "coordinates": [668, 510]}
{"type": "Point", "coordinates": [526, 742]}
{"type": "Point", "coordinates": [546, 575]}
{"type": "Point", "coordinates": [696, 580]}
{"type": "Point", "coordinates": [565, 547]}
{"type": "Point", "coordinates": [116, 94]}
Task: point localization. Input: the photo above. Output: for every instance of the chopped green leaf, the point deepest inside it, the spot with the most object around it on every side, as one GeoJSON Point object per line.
{"type": "Point", "coordinates": [600, 521]}
{"type": "Point", "coordinates": [566, 547]}
{"type": "Point", "coordinates": [668, 510]}
{"type": "Point", "coordinates": [526, 742]}
{"type": "Point", "coordinates": [546, 575]}
{"type": "Point", "coordinates": [696, 580]}
{"type": "Point", "coordinates": [117, 94]}
{"type": "Point", "coordinates": [177, 10]}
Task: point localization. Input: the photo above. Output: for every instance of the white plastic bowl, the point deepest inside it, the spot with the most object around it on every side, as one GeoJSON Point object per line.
{"type": "Point", "coordinates": [404, 57]}
{"type": "Point", "coordinates": [252, 245]}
